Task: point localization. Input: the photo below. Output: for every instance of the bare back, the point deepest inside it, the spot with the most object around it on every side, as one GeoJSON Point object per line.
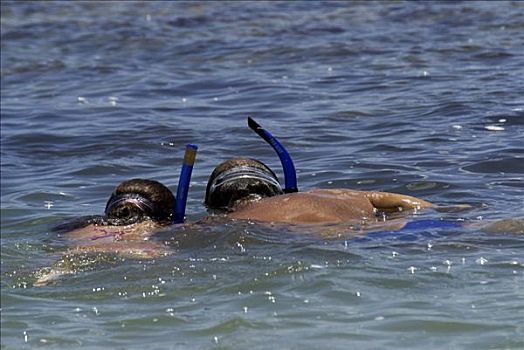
{"type": "Point", "coordinates": [325, 206]}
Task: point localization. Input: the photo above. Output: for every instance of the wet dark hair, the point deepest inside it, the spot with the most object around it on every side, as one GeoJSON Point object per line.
{"type": "Point", "coordinates": [138, 199]}
{"type": "Point", "coordinates": [132, 201]}
{"type": "Point", "coordinates": [238, 179]}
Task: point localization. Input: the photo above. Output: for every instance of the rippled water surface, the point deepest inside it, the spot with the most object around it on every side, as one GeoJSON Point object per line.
{"type": "Point", "coordinates": [421, 98]}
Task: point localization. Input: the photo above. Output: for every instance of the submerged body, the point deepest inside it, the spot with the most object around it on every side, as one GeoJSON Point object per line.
{"type": "Point", "coordinates": [132, 240]}
{"type": "Point", "coordinates": [136, 209]}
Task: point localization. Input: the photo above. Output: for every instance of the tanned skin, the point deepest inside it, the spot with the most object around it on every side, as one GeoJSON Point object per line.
{"type": "Point", "coordinates": [326, 206]}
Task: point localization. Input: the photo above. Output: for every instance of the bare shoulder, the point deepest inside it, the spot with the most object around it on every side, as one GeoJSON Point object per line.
{"type": "Point", "coordinates": [134, 232]}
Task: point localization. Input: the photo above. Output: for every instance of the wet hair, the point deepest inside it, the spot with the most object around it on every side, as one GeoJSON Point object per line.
{"type": "Point", "coordinates": [139, 199]}
{"type": "Point", "coordinates": [240, 179]}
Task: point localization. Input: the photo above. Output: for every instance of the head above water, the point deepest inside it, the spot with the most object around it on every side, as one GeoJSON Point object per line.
{"type": "Point", "coordinates": [240, 179]}
{"type": "Point", "coordinates": [137, 200]}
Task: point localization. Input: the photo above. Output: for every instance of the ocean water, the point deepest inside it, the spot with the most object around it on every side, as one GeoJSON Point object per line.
{"type": "Point", "coordinates": [421, 98]}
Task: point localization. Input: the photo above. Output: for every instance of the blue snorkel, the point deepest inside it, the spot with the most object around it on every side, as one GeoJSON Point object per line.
{"type": "Point", "coordinates": [290, 174]}
{"type": "Point", "coordinates": [179, 210]}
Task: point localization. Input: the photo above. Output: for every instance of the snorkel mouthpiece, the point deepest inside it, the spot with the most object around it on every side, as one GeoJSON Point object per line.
{"type": "Point", "coordinates": [179, 210]}
{"type": "Point", "coordinates": [290, 176]}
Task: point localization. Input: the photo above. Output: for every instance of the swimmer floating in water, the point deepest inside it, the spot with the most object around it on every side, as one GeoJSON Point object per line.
{"type": "Point", "coordinates": [246, 189]}
{"type": "Point", "coordinates": [136, 209]}
{"type": "Point", "coordinates": [250, 190]}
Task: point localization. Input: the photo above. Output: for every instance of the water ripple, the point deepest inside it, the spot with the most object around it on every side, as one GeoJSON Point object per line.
{"type": "Point", "coordinates": [95, 93]}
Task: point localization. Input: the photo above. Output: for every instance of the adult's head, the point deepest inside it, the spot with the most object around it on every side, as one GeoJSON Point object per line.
{"type": "Point", "coordinates": [240, 179]}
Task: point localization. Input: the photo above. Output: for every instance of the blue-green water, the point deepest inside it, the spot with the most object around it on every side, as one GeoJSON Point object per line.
{"type": "Point", "coordinates": [421, 98]}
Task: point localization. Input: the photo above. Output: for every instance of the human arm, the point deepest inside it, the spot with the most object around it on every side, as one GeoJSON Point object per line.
{"type": "Point", "coordinates": [395, 201]}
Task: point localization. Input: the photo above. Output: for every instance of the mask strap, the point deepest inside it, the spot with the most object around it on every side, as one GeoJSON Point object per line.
{"type": "Point", "coordinates": [242, 172]}
{"type": "Point", "coordinates": [136, 199]}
